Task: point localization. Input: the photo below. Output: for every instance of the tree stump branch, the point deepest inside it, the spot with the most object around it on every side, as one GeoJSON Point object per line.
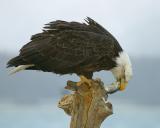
{"type": "Point", "coordinates": [87, 106]}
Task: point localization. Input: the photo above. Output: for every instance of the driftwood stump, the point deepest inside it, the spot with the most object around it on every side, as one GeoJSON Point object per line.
{"type": "Point", "coordinates": [87, 106]}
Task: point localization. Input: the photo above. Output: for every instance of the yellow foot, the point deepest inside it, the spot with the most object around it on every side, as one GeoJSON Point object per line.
{"type": "Point", "coordinates": [83, 80]}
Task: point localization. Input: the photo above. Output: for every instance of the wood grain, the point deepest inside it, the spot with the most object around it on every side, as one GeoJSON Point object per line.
{"type": "Point", "coordinates": [87, 106]}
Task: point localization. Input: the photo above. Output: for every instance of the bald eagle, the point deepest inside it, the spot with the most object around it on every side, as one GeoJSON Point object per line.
{"type": "Point", "coordinates": [72, 47]}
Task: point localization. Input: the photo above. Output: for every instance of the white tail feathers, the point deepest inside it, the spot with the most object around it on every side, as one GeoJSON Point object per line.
{"type": "Point", "coordinates": [19, 68]}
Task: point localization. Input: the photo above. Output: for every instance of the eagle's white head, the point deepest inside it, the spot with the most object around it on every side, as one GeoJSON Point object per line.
{"type": "Point", "coordinates": [123, 70]}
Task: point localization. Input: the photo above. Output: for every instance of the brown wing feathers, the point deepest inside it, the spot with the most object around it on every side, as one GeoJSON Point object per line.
{"type": "Point", "coordinates": [69, 47]}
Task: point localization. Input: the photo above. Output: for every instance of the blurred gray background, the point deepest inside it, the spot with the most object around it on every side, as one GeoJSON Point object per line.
{"type": "Point", "coordinates": [29, 98]}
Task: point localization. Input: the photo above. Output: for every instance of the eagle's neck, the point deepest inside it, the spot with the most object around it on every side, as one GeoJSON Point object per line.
{"type": "Point", "coordinates": [123, 66]}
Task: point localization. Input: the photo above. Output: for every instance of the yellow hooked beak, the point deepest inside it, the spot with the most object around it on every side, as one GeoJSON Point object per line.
{"type": "Point", "coordinates": [122, 84]}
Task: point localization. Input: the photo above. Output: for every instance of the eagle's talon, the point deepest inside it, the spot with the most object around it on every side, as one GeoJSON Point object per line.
{"type": "Point", "coordinates": [79, 83]}
{"type": "Point", "coordinates": [83, 80]}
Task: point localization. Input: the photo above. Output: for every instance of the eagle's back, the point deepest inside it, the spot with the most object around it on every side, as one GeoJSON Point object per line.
{"type": "Point", "coordinates": [70, 47]}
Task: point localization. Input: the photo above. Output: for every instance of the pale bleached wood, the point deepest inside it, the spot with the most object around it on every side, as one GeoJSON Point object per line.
{"type": "Point", "coordinates": [87, 106]}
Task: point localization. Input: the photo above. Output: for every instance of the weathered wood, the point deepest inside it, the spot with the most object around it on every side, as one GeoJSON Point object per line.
{"type": "Point", "coordinates": [87, 106]}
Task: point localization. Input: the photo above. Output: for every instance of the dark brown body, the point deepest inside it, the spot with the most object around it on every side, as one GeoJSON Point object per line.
{"type": "Point", "coordinates": [70, 47]}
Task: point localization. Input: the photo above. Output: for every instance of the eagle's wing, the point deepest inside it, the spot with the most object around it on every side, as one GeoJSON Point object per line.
{"type": "Point", "coordinates": [70, 46]}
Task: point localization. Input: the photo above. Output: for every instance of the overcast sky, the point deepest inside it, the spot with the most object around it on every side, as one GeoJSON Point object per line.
{"type": "Point", "coordinates": [135, 23]}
